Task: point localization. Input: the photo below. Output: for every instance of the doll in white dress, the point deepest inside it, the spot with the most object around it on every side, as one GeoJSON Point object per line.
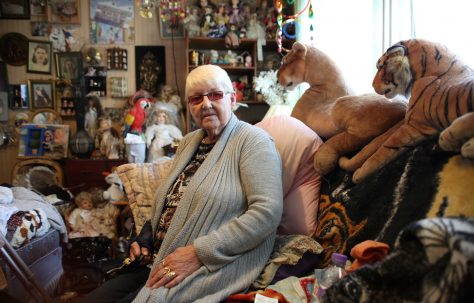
{"type": "Point", "coordinates": [159, 134]}
{"type": "Point", "coordinates": [80, 219]}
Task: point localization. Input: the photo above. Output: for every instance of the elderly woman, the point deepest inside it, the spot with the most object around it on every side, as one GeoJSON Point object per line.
{"type": "Point", "coordinates": [214, 219]}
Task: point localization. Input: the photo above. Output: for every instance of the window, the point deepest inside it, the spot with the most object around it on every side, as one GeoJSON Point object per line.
{"type": "Point", "coordinates": [356, 33]}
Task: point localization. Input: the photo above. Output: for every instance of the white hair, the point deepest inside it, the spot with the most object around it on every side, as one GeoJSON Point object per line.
{"type": "Point", "coordinates": [208, 75]}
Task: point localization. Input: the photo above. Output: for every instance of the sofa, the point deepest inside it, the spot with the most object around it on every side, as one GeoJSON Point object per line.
{"type": "Point", "coordinates": [334, 214]}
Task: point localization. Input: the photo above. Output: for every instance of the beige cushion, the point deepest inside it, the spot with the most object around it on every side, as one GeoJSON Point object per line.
{"type": "Point", "coordinates": [140, 180]}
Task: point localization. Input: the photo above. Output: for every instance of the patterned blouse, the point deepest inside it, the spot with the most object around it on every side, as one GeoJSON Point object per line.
{"type": "Point", "coordinates": [176, 191]}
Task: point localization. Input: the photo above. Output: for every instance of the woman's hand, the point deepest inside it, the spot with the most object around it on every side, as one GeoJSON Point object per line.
{"type": "Point", "coordinates": [174, 268]}
{"type": "Point", "coordinates": [136, 251]}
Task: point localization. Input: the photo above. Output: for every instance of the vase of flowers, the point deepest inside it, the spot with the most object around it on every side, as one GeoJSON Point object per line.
{"type": "Point", "coordinates": [281, 101]}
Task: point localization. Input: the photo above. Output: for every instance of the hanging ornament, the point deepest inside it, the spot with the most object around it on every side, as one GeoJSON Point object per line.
{"type": "Point", "coordinates": [311, 28]}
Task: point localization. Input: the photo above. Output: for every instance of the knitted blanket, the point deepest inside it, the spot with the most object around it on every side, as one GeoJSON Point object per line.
{"type": "Point", "coordinates": [423, 182]}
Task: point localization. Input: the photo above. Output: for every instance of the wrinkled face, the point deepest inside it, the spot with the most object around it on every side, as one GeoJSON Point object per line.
{"type": "Point", "coordinates": [291, 72]}
{"type": "Point", "coordinates": [393, 75]}
{"type": "Point", "coordinates": [212, 116]}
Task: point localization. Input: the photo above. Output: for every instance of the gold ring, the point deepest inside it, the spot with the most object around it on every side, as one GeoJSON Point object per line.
{"type": "Point", "coordinates": [167, 269]}
{"type": "Point", "coordinates": [171, 275]}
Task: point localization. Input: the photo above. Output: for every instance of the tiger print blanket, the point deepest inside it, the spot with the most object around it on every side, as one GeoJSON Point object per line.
{"type": "Point", "coordinates": [424, 182]}
{"type": "Point", "coordinates": [432, 262]}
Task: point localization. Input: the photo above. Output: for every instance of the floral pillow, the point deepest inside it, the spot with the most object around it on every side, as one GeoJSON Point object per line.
{"type": "Point", "coordinates": [140, 180]}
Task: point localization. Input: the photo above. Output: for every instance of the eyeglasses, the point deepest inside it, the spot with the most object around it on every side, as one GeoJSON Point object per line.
{"type": "Point", "coordinates": [212, 96]}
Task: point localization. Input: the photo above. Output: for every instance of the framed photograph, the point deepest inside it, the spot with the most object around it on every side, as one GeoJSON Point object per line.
{"type": "Point", "coordinates": [39, 8]}
{"type": "Point", "coordinates": [15, 9]}
{"type": "Point", "coordinates": [112, 22]}
{"type": "Point", "coordinates": [19, 96]}
{"type": "Point", "coordinates": [3, 106]}
{"type": "Point", "coordinates": [41, 94]}
{"type": "Point", "coordinates": [39, 57]}
{"type": "Point", "coordinates": [64, 11]}
{"type": "Point", "coordinates": [169, 29]}
{"type": "Point", "coordinates": [69, 65]}
{"type": "Point", "coordinates": [150, 68]}
{"type": "Point", "coordinates": [43, 140]}
{"type": "Point", "coordinates": [40, 29]}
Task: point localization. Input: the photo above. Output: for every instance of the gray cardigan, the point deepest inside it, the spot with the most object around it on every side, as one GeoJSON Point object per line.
{"type": "Point", "coordinates": [229, 211]}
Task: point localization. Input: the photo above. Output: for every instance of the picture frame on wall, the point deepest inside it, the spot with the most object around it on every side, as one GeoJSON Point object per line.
{"type": "Point", "coordinates": [150, 68]}
{"type": "Point", "coordinates": [111, 22]}
{"type": "Point", "coordinates": [169, 29]}
{"type": "Point", "coordinates": [39, 8]}
{"type": "Point", "coordinates": [19, 96]}
{"type": "Point", "coordinates": [69, 65]}
{"type": "Point", "coordinates": [39, 57]}
{"type": "Point", "coordinates": [15, 9]}
{"type": "Point", "coordinates": [64, 11]}
{"type": "Point", "coordinates": [41, 94]}
{"type": "Point", "coordinates": [3, 106]}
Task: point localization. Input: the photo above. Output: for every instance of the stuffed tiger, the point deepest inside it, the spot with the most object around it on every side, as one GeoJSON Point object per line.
{"type": "Point", "coordinates": [440, 89]}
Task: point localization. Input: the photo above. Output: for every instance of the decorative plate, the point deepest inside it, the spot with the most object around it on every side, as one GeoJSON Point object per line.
{"type": "Point", "coordinates": [15, 51]}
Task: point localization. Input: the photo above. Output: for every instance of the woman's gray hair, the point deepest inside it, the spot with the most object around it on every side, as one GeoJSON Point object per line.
{"type": "Point", "coordinates": [208, 75]}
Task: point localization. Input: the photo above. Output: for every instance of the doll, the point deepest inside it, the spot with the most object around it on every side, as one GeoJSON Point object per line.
{"type": "Point", "coordinates": [234, 14]}
{"type": "Point", "coordinates": [104, 215]}
{"type": "Point", "coordinates": [108, 139]}
{"type": "Point", "coordinates": [80, 218]}
{"type": "Point", "coordinates": [93, 113]}
{"type": "Point", "coordinates": [221, 19]}
{"type": "Point", "coordinates": [160, 134]}
{"type": "Point", "coordinates": [191, 22]}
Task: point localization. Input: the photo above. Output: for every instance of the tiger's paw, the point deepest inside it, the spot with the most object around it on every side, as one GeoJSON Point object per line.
{"type": "Point", "coordinates": [448, 142]}
{"type": "Point", "coordinates": [467, 149]}
{"type": "Point", "coordinates": [325, 161]}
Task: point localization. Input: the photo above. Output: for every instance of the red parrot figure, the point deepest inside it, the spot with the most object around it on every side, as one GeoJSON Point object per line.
{"type": "Point", "coordinates": [135, 118]}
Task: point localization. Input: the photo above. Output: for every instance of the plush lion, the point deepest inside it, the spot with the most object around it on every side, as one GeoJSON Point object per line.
{"type": "Point", "coordinates": [441, 92]}
{"type": "Point", "coordinates": [327, 107]}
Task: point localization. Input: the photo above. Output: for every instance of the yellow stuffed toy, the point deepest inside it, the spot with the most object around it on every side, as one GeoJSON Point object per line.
{"type": "Point", "coordinates": [346, 122]}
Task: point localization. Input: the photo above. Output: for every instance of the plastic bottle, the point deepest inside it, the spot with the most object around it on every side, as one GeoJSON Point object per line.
{"type": "Point", "coordinates": [332, 273]}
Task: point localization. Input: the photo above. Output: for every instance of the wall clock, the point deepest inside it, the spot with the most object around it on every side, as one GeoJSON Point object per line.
{"type": "Point", "coordinates": [15, 51]}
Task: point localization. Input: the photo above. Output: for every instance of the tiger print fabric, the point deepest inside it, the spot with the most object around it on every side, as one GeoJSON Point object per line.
{"type": "Point", "coordinates": [440, 88]}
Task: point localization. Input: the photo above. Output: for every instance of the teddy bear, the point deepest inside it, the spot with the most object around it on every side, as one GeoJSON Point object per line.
{"type": "Point", "coordinates": [115, 191]}
{"type": "Point", "coordinates": [346, 122]}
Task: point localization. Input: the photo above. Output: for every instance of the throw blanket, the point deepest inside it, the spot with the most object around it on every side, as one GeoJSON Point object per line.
{"type": "Point", "coordinates": [424, 182]}
{"type": "Point", "coordinates": [432, 262]}
{"type": "Point", "coordinates": [27, 200]}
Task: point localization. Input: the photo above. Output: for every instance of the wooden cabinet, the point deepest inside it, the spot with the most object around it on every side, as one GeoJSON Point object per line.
{"type": "Point", "coordinates": [202, 50]}
{"type": "Point", "coordinates": [82, 174]}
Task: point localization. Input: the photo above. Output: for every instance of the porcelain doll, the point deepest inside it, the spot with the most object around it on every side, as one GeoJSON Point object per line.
{"type": "Point", "coordinates": [191, 22]}
{"type": "Point", "coordinates": [159, 134]}
{"type": "Point", "coordinates": [93, 113]}
{"type": "Point", "coordinates": [79, 220]}
{"type": "Point", "coordinates": [234, 14]}
{"type": "Point", "coordinates": [108, 138]}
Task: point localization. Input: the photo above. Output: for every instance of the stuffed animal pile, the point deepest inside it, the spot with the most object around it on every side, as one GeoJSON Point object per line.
{"type": "Point", "coordinates": [439, 86]}
{"type": "Point", "coordinates": [346, 122]}
{"type": "Point", "coordinates": [441, 91]}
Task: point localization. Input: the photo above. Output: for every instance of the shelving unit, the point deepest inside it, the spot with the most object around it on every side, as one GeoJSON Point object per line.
{"type": "Point", "coordinates": [198, 52]}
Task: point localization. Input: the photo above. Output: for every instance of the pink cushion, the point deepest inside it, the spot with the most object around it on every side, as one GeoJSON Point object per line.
{"type": "Point", "coordinates": [296, 144]}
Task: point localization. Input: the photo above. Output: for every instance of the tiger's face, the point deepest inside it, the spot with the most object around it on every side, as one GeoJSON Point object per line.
{"type": "Point", "coordinates": [393, 75]}
{"type": "Point", "coordinates": [291, 72]}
